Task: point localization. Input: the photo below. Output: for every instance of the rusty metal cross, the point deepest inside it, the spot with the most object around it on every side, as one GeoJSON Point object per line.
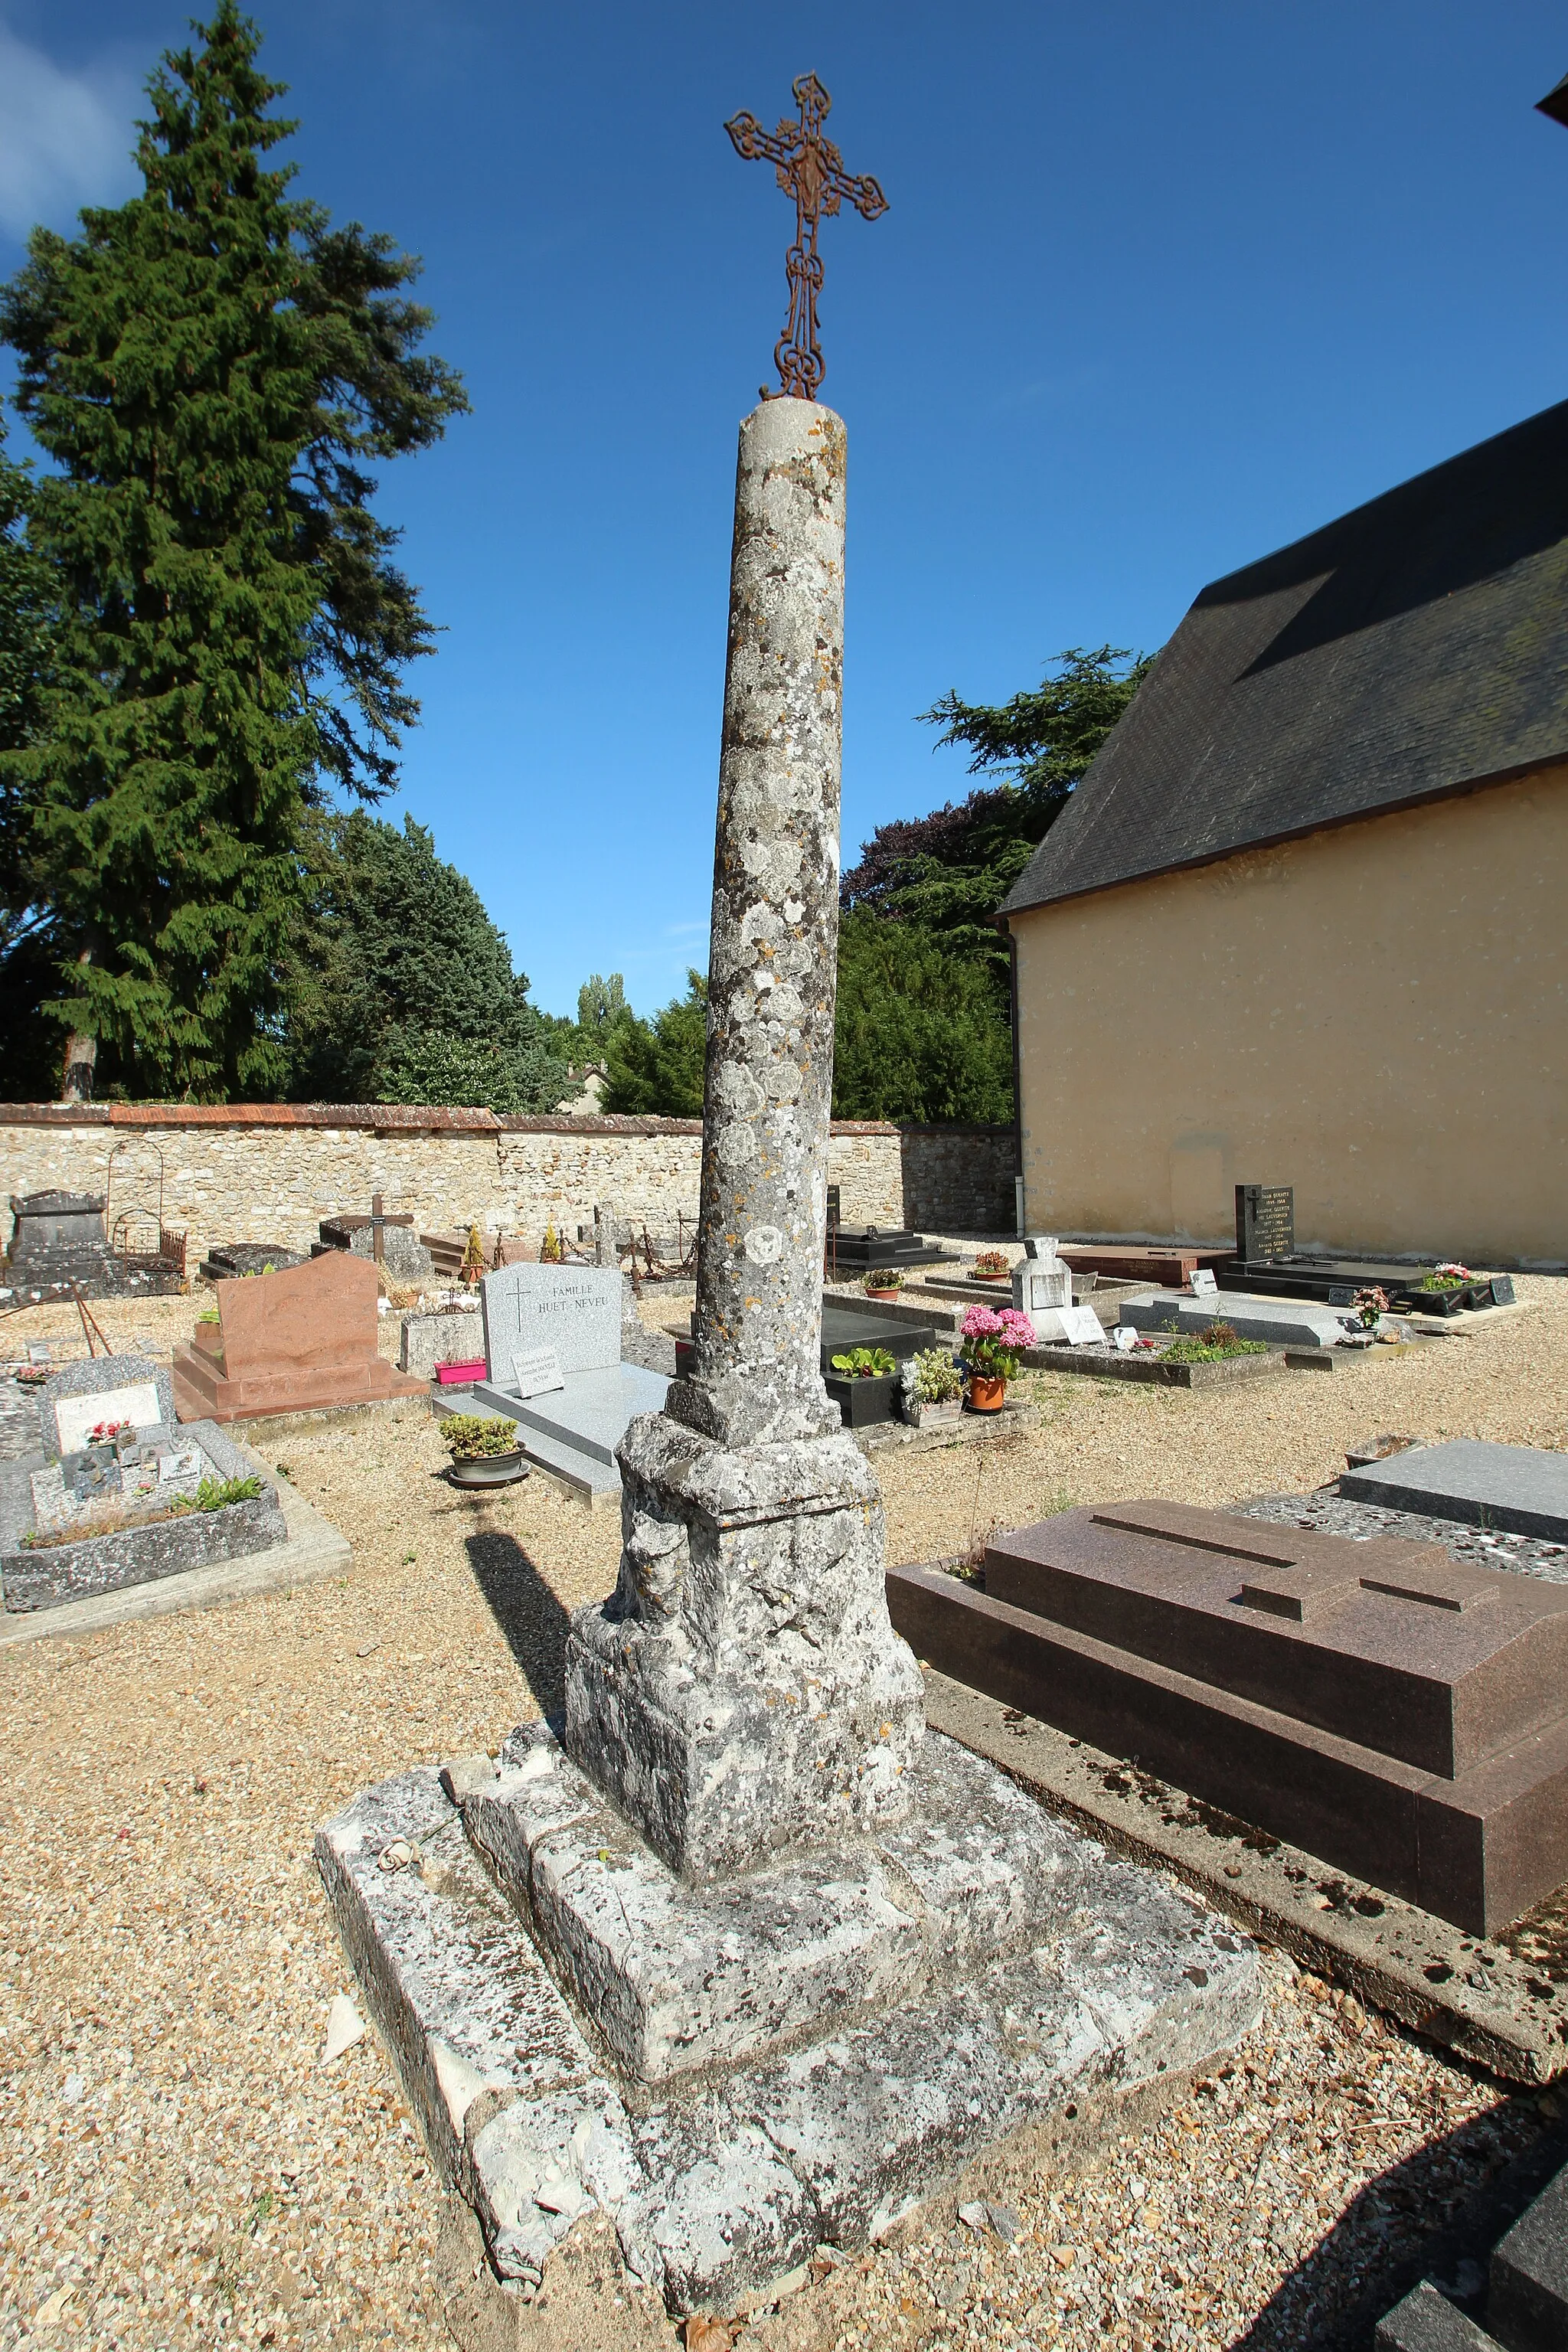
{"type": "Point", "coordinates": [811, 170]}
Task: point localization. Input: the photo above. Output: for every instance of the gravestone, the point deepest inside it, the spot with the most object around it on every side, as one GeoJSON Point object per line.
{"type": "Point", "coordinates": [562, 1324]}
{"type": "Point", "coordinates": [105, 1388]}
{"type": "Point", "coordinates": [440, 1335]}
{"type": "Point", "coordinates": [1402, 1716]}
{"type": "Point", "coordinates": [1279, 1322]}
{"type": "Point", "coordinates": [1042, 1289]}
{"type": "Point", "coordinates": [229, 1261]}
{"type": "Point", "coordinates": [793, 1965]}
{"type": "Point", "coordinates": [103, 1505]}
{"type": "Point", "coordinates": [1517, 1489]}
{"type": "Point", "coordinates": [575, 1309]}
{"type": "Point", "coordinates": [1265, 1222]}
{"type": "Point", "coordinates": [302, 1340]}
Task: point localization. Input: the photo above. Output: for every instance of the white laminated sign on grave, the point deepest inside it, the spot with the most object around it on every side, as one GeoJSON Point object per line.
{"type": "Point", "coordinates": [1081, 1327]}
{"type": "Point", "coordinates": [76, 1417]}
{"type": "Point", "coordinates": [535, 1371]}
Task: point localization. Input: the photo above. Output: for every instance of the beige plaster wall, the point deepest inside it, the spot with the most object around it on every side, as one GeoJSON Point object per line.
{"type": "Point", "coordinates": [1377, 1015]}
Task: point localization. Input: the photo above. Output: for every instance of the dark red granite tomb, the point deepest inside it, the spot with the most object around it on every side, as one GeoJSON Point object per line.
{"type": "Point", "coordinates": [1402, 1716]}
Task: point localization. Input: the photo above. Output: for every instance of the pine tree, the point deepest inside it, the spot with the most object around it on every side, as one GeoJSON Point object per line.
{"type": "Point", "coordinates": [212, 367]}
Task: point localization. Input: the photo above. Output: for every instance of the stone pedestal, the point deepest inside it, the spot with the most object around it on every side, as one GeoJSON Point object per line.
{"type": "Point", "coordinates": [749, 1958]}
{"type": "Point", "coordinates": [742, 1692]}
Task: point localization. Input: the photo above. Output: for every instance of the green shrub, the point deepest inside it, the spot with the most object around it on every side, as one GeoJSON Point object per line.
{"type": "Point", "coordinates": [477, 1436]}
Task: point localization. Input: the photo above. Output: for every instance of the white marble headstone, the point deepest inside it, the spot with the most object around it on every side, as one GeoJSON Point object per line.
{"type": "Point", "coordinates": [1042, 1284]}
{"type": "Point", "coordinates": [75, 1416]}
{"type": "Point", "coordinates": [575, 1309]}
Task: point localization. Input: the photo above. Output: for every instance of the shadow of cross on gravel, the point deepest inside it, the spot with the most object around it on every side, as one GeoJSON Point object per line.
{"type": "Point", "coordinates": [527, 1611]}
{"type": "Point", "coordinates": [1436, 2214]}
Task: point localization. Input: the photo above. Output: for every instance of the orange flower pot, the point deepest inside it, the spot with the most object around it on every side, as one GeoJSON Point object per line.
{"type": "Point", "coordinates": [985, 1392]}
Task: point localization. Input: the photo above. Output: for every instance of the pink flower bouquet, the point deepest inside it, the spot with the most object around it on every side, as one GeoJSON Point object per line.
{"type": "Point", "coordinates": [991, 1341]}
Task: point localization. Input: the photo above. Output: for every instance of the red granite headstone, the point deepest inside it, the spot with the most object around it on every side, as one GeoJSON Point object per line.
{"type": "Point", "coordinates": [290, 1342]}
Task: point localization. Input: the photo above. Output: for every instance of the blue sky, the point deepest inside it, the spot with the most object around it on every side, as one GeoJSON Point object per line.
{"type": "Point", "coordinates": [1159, 288]}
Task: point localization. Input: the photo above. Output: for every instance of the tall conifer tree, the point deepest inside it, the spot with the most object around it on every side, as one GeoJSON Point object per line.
{"type": "Point", "coordinates": [211, 368]}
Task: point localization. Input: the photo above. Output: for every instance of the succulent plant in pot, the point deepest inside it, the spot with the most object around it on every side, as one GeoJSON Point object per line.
{"type": "Point", "coordinates": [992, 1266]}
{"type": "Point", "coordinates": [864, 1364]}
{"type": "Point", "coordinates": [483, 1449]}
{"type": "Point", "coordinates": [932, 1387]}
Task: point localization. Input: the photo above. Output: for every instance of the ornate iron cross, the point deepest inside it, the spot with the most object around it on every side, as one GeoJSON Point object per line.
{"type": "Point", "coordinates": [811, 170]}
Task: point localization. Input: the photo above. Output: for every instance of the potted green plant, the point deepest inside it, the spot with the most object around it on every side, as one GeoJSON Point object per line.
{"type": "Point", "coordinates": [482, 1449]}
{"type": "Point", "coordinates": [862, 1383]}
{"type": "Point", "coordinates": [882, 1282]}
{"type": "Point", "coordinates": [992, 1266]}
{"type": "Point", "coordinates": [990, 1350]}
{"type": "Point", "coordinates": [933, 1387]}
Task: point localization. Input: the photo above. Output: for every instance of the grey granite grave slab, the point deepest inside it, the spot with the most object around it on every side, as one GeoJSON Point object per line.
{"type": "Point", "coordinates": [1427, 2322]}
{"type": "Point", "coordinates": [580, 1425]}
{"type": "Point", "coordinates": [1521, 1489]}
{"type": "Point", "coordinates": [1527, 2302]}
{"type": "Point", "coordinates": [1079, 1978]}
{"type": "Point", "coordinates": [55, 1575]}
{"type": "Point", "coordinates": [575, 1309]}
{"type": "Point", "coordinates": [1281, 1322]}
{"type": "Point", "coordinates": [101, 1375]}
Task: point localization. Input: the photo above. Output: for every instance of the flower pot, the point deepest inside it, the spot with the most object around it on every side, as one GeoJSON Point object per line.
{"type": "Point", "coordinates": [925, 1412]}
{"type": "Point", "coordinates": [490, 1469]}
{"type": "Point", "coordinates": [884, 1294]}
{"type": "Point", "coordinates": [452, 1376]}
{"type": "Point", "coordinates": [985, 1392]}
{"type": "Point", "coordinates": [975, 1275]}
{"type": "Point", "coordinates": [872, 1397]}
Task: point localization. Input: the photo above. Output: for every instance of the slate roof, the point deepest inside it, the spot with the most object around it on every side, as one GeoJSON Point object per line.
{"type": "Point", "coordinates": [1416, 646]}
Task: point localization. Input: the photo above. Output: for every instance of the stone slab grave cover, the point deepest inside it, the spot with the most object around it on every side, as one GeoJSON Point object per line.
{"type": "Point", "coordinates": [742, 1955]}
{"type": "Point", "coordinates": [302, 1340]}
{"type": "Point", "coordinates": [58, 1240]}
{"type": "Point", "coordinates": [1517, 1489]}
{"type": "Point", "coordinates": [1280, 1322]}
{"type": "Point", "coordinates": [860, 1250]}
{"type": "Point", "coordinates": [1526, 2306]}
{"type": "Point", "coordinates": [1402, 1716]}
{"type": "Point", "coordinates": [1267, 1262]}
{"type": "Point", "coordinates": [229, 1261]}
{"type": "Point", "coordinates": [115, 1494]}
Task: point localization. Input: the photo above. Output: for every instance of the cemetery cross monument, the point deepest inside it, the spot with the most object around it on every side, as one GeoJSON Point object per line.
{"type": "Point", "coordinates": [742, 1692]}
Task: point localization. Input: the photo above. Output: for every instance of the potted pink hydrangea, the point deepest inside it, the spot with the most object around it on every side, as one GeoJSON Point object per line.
{"type": "Point", "coordinates": [990, 1353]}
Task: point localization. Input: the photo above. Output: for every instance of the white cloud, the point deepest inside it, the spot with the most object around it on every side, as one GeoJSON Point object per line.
{"type": "Point", "coordinates": [65, 138]}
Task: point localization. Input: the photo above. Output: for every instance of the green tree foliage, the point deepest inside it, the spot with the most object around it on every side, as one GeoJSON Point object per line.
{"type": "Point", "coordinates": [919, 1034]}
{"type": "Point", "coordinates": [951, 871]}
{"type": "Point", "coordinates": [655, 1066]}
{"type": "Point", "coordinates": [212, 368]}
{"type": "Point", "coordinates": [28, 1048]}
{"type": "Point", "coordinates": [400, 987]}
{"type": "Point", "coordinates": [601, 1006]}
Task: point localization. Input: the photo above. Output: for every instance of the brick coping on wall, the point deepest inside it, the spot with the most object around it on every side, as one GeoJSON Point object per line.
{"type": "Point", "coordinates": [383, 1119]}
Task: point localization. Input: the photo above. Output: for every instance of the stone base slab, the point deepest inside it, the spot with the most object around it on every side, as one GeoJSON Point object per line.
{"type": "Point", "coordinates": [731, 2177]}
{"type": "Point", "coordinates": [1502, 2002]}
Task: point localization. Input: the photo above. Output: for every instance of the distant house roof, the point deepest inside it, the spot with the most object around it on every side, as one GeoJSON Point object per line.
{"type": "Point", "coordinates": [1416, 646]}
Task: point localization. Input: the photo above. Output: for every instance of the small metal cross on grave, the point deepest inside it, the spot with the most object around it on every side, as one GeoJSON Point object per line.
{"type": "Point", "coordinates": [811, 170]}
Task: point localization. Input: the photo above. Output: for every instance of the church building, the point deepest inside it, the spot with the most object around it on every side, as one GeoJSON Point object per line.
{"type": "Point", "coordinates": [1305, 920]}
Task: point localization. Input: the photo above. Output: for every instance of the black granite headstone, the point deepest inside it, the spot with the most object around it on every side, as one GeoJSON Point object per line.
{"type": "Point", "coordinates": [1265, 1222]}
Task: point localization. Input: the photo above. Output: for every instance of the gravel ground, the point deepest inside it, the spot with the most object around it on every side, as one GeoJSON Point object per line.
{"type": "Point", "coordinates": [180, 2169]}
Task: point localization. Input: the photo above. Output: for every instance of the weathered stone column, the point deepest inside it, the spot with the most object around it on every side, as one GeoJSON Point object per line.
{"type": "Point", "coordinates": [742, 1690]}
{"type": "Point", "coordinates": [773, 956]}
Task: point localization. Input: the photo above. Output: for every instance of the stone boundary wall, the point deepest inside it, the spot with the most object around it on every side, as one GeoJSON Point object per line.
{"type": "Point", "coordinates": [958, 1180]}
{"type": "Point", "coordinates": [271, 1171]}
